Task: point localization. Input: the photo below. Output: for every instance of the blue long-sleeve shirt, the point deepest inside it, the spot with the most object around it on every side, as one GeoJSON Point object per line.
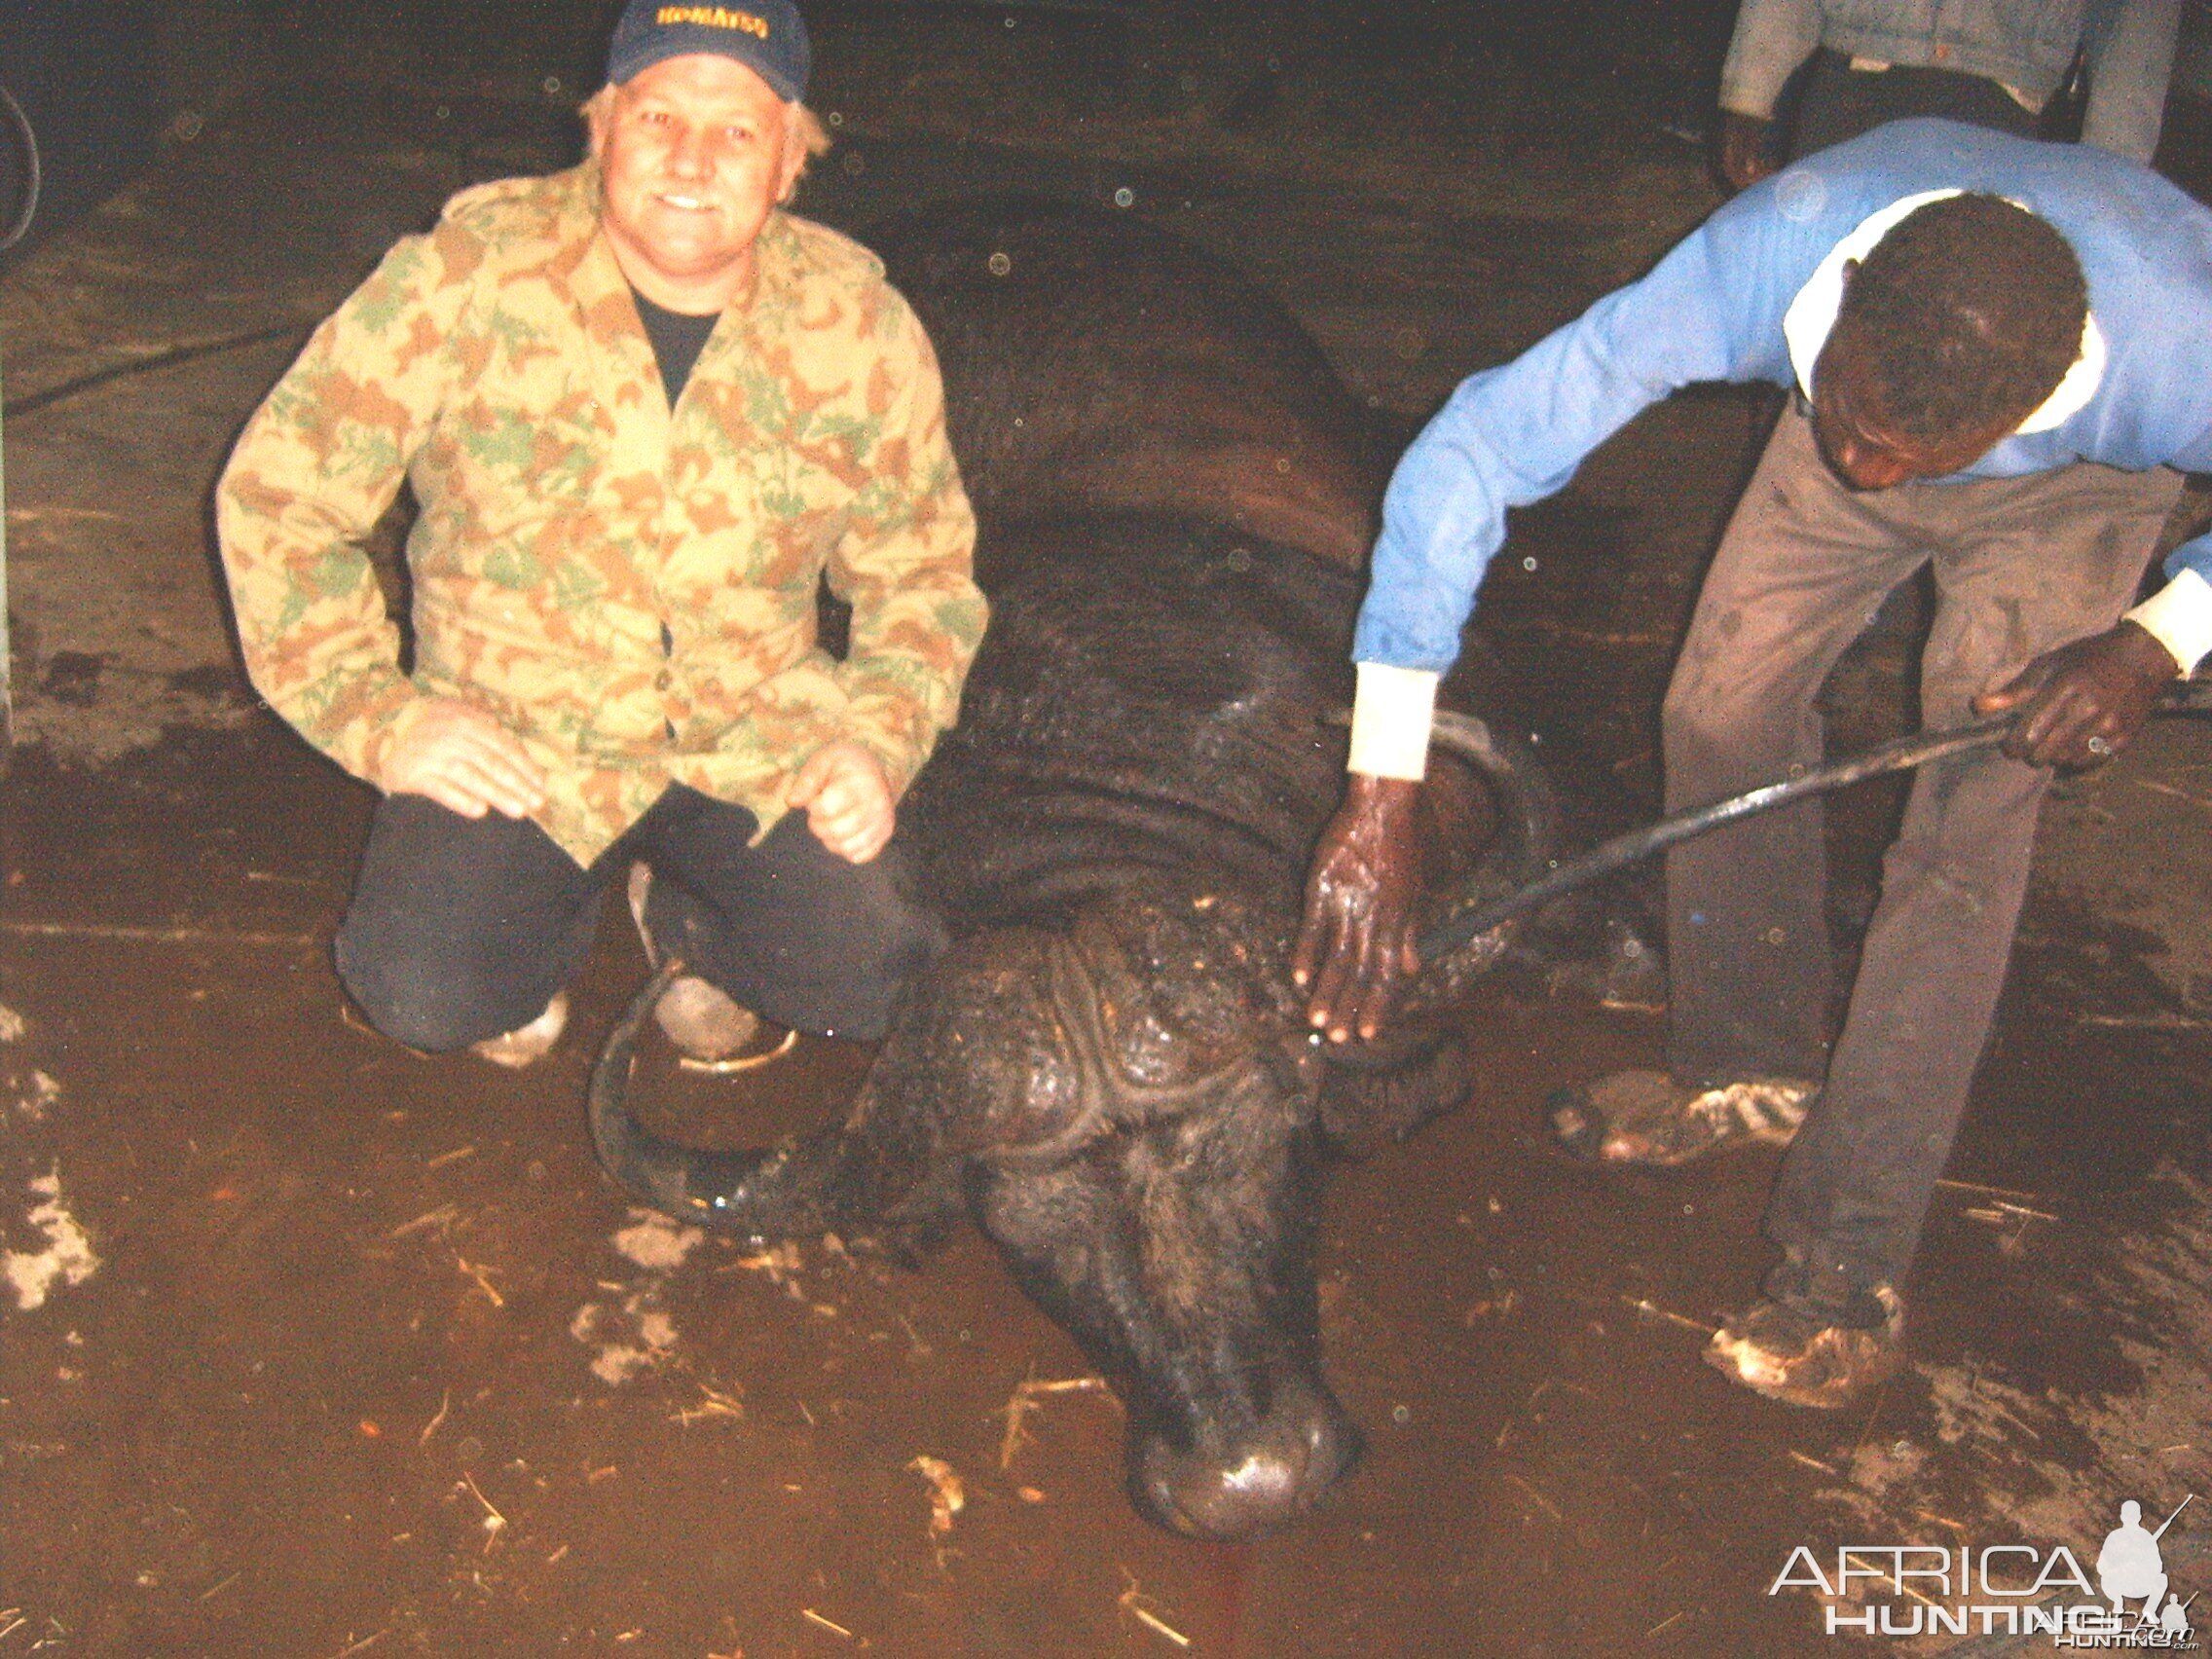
{"type": "Point", "coordinates": [1712, 310]}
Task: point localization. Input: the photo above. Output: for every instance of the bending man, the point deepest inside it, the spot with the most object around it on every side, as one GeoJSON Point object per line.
{"type": "Point", "coordinates": [2003, 353]}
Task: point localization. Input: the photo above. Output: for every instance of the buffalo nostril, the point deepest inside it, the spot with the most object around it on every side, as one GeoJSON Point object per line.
{"type": "Point", "coordinates": [1265, 1480]}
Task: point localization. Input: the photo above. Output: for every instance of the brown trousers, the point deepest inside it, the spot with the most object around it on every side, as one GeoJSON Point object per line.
{"type": "Point", "coordinates": [2021, 565]}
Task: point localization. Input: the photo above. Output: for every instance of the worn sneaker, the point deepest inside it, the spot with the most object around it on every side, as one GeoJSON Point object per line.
{"type": "Point", "coordinates": [529, 1043]}
{"type": "Point", "coordinates": [1646, 1116]}
{"type": "Point", "coordinates": [1803, 1357]}
{"type": "Point", "coordinates": [704, 1021]}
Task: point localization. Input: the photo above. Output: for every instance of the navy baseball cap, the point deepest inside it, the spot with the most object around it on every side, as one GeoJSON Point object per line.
{"type": "Point", "coordinates": [766, 36]}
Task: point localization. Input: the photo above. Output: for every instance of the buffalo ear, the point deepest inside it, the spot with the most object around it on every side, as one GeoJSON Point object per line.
{"type": "Point", "coordinates": [1378, 1092]}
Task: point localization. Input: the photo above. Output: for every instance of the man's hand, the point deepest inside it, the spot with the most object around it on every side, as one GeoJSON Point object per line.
{"type": "Point", "coordinates": [847, 800]}
{"type": "Point", "coordinates": [1357, 939]}
{"type": "Point", "coordinates": [1743, 158]}
{"type": "Point", "coordinates": [465, 760]}
{"type": "Point", "coordinates": [2084, 702]}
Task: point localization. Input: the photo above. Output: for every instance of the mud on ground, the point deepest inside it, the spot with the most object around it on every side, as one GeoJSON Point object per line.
{"type": "Point", "coordinates": [311, 1347]}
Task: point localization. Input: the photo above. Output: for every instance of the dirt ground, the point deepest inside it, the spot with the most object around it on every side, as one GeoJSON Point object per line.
{"type": "Point", "coordinates": [311, 1347]}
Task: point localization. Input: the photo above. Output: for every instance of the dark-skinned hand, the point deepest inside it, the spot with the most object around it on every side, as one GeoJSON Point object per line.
{"type": "Point", "coordinates": [1357, 938]}
{"type": "Point", "coordinates": [1743, 159]}
{"type": "Point", "coordinates": [2084, 702]}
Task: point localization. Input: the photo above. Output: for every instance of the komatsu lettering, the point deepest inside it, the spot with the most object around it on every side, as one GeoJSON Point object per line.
{"type": "Point", "coordinates": [713, 18]}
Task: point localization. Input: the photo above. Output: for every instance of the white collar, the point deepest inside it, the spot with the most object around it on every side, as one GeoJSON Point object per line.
{"type": "Point", "coordinates": [1812, 314]}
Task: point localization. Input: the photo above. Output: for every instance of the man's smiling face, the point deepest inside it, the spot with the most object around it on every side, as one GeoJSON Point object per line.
{"type": "Point", "coordinates": [693, 152]}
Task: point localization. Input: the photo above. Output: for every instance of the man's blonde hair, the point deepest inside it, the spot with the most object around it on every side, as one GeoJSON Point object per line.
{"type": "Point", "coordinates": [801, 127]}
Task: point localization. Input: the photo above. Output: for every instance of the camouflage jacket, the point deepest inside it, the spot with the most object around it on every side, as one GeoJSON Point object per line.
{"type": "Point", "coordinates": [631, 589]}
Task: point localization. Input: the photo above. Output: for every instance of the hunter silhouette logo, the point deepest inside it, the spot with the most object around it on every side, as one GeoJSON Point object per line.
{"type": "Point", "coordinates": [2006, 1589]}
{"type": "Point", "coordinates": [2130, 1566]}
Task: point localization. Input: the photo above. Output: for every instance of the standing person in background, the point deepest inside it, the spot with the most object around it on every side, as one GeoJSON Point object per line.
{"type": "Point", "coordinates": [1992, 62]}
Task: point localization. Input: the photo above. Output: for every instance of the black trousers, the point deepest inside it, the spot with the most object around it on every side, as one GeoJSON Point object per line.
{"type": "Point", "coordinates": [1840, 102]}
{"type": "Point", "coordinates": [463, 929]}
{"type": "Point", "coordinates": [2020, 564]}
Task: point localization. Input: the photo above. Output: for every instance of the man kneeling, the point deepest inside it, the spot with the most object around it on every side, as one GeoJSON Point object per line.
{"type": "Point", "coordinates": [643, 412]}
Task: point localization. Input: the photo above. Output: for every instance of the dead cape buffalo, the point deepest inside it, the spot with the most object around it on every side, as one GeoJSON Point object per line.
{"type": "Point", "coordinates": [1109, 1070]}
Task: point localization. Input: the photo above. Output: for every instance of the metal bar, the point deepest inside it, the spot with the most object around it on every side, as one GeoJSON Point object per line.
{"type": "Point", "coordinates": [1621, 851]}
{"type": "Point", "coordinates": [7, 699]}
{"type": "Point", "coordinates": [118, 932]}
{"type": "Point", "coordinates": [1609, 857]}
{"type": "Point", "coordinates": [168, 358]}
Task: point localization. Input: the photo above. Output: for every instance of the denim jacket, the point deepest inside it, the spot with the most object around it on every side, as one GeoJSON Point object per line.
{"type": "Point", "coordinates": [2024, 45]}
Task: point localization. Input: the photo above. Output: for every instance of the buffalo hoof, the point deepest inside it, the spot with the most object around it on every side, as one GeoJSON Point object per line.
{"type": "Point", "coordinates": [1263, 1482]}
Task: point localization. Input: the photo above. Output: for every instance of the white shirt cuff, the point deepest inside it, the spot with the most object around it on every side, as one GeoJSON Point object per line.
{"type": "Point", "coordinates": [1390, 721]}
{"type": "Point", "coordinates": [2179, 616]}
